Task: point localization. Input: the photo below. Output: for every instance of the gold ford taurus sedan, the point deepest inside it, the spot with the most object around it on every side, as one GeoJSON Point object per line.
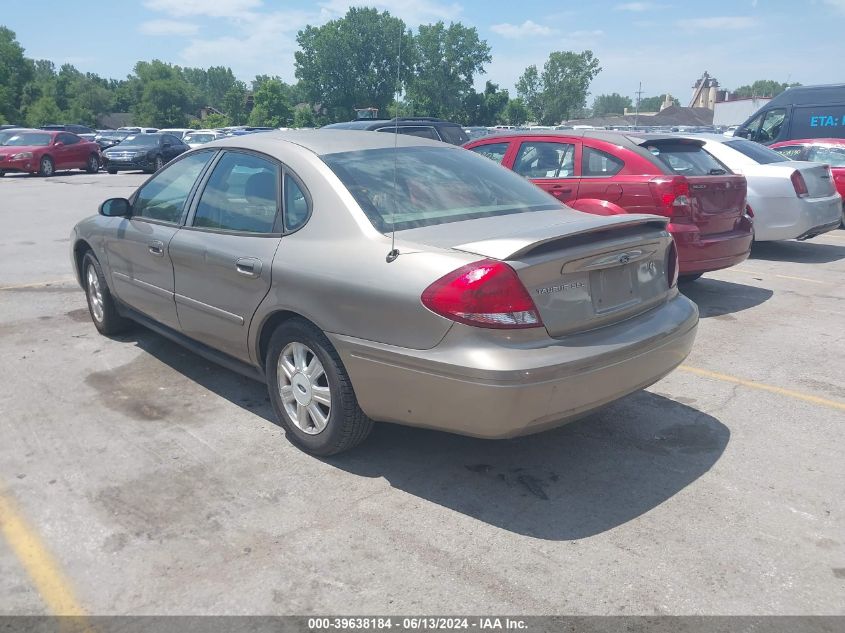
{"type": "Point", "coordinates": [367, 277]}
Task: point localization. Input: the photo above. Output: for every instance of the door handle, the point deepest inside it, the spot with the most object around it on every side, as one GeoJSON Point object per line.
{"type": "Point", "coordinates": [156, 248]}
{"type": "Point", "coordinates": [248, 267]}
{"type": "Point", "coordinates": [560, 190]}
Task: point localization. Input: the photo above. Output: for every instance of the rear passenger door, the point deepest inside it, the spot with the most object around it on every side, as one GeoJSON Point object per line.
{"type": "Point", "coordinates": [598, 170]}
{"type": "Point", "coordinates": [222, 258]}
{"type": "Point", "coordinates": [549, 164]}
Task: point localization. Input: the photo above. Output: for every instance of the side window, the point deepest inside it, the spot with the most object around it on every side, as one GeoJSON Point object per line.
{"type": "Point", "coordinates": [421, 131]}
{"type": "Point", "coordinates": [596, 163]}
{"type": "Point", "coordinates": [771, 126]}
{"type": "Point", "coordinates": [242, 195]}
{"type": "Point", "coordinates": [792, 152]}
{"type": "Point", "coordinates": [169, 138]}
{"type": "Point", "coordinates": [296, 204]}
{"type": "Point", "coordinates": [67, 139]}
{"type": "Point", "coordinates": [833, 156]}
{"type": "Point", "coordinates": [754, 126]}
{"type": "Point", "coordinates": [543, 159]}
{"type": "Point", "coordinates": [493, 151]}
{"type": "Point", "coordinates": [163, 197]}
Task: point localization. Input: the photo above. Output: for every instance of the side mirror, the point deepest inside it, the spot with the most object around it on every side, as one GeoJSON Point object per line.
{"type": "Point", "coordinates": [58, 144]}
{"type": "Point", "coordinates": [115, 208]}
{"type": "Point", "coordinates": [741, 132]}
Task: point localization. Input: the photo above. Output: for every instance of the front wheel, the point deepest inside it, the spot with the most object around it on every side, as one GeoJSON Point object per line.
{"type": "Point", "coordinates": [311, 392]}
{"type": "Point", "coordinates": [159, 163]}
{"type": "Point", "coordinates": [46, 167]}
{"type": "Point", "coordinates": [101, 306]}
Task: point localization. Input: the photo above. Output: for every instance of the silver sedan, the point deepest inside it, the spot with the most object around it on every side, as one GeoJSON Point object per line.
{"type": "Point", "coordinates": [368, 277]}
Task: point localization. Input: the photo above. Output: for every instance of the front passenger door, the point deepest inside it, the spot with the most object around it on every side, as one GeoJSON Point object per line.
{"type": "Point", "coordinates": [223, 259]}
{"type": "Point", "coordinates": [549, 165]}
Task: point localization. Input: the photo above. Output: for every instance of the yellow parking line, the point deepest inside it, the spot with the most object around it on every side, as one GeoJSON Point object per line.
{"type": "Point", "coordinates": [33, 555]}
{"type": "Point", "coordinates": [38, 284]}
{"type": "Point", "coordinates": [764, 387]}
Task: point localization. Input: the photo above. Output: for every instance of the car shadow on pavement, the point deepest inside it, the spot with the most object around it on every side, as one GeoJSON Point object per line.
{"type": "Point", "coordinates": [570, 483]}
{"type": "Point", "coordinates": [808, 252]}
{"type": "Point", "coordinates": [715, 297]}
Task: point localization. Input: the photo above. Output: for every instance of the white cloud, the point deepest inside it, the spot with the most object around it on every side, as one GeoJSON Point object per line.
{"type": "Point", "coordinates": [836, 4]}
{"type": "Point", "coordinates": [413, 12]}
{"type": "Point", "coordinates": [211, 8]}
{"type": "Point", "coordinates": [720, 22]}
{"type": "Point", "coordinates": [637, 7]}
{"type": "Point", "coordinates": [167, 27]}
{"type": "Point", "coordinates": [526, 29]}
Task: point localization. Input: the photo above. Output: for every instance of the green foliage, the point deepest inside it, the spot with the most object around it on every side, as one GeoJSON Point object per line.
{"type": "Point", "coordinates": [653, 104]}
{"type": "Point", "coordinates": [488, 107]}
{"type": "Point", "coordinates": [445, 62]}
{"type": "Point", "coordinates": [303, 116]}
{"type": "Point", "coordinates": [561, 89]}
{"type": "Point", "coordinates": [763, 88]}
{"type": "Point", "coordinates": [273, 104]}
{"type": "Point", "coordinates": [42, 112]}
{"type": "Point", "coordinates": [213, 121]}
{"type": "Point", "coordinates": [516, 112]}
{"type": "Point", "coordinates": [163, 103]}
{"type": "Point", "coordinates": [352, 61]}
{"type": "Point", "coordinates": [234, 103]}
{"type": "Point", "coordinates": [15, 71]}
{"type": "Point", "coordinates": [613, 103]}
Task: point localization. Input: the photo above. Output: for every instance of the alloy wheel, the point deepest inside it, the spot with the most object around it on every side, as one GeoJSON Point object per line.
{"type": "Point", "coordinates": [95, 294]}
{"type": "Point", "coordinates": [304, 388]}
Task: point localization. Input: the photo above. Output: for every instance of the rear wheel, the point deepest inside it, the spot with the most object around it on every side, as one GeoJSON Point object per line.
{"type": "Point", "coordinates": [92, 166]}
{"type": "Point", "coordinates": [101, 306]}
{"type": "Point", "coordinates": [311, 392]}
{"type": "Point", "coordinates": [46, 167]}
{"type": "Point", "coordinates": [159, 163]}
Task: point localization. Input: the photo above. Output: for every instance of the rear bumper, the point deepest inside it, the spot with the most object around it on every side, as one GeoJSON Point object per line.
{"type": "Point", "coordinates": [796, 218]}
{"type": "Point", "coordinates": [473, 384]}
{"type": "Point", "coordinates": [698, 253]}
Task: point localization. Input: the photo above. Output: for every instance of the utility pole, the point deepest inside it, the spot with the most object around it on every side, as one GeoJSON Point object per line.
{"type": "Point", "coordinates": [637, 115]}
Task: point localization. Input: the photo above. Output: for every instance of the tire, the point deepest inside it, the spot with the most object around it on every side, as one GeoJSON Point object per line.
{"type": "Point", "coordinates": [2, 173]}
{"type": "Point", "coordinates": [46, 167]}
{"type": "Point", "coordinates": [344, 425]}
{"type": "Point", "coordinates": [101, 306]}
{"type": "Point", "coordinates": [111, 170]}
{"type": "Point", "coordinates": [159, 163]}
{"type": "Point", "coordinates": [688, 279]}
{"type": "Point", "coordinates": [93, 164]}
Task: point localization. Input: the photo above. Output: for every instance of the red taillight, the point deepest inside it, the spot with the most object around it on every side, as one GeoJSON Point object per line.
{"type": "Point", "coordinates": [484, 294]}
{"type": "Point", "coordinates": [749, 211]}
{"type": "Point", "coordinates": [799, 184]}
{"type": "Point", "coordinates": [672, 196]}
{"type": "Point", "coordinates": [672, 265]}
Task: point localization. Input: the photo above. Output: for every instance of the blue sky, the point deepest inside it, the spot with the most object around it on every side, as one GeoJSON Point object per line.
{"type": "Point", "coordinates": [666, 44]}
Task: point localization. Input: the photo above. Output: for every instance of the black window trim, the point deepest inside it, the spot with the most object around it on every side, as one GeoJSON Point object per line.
{"type": "Point", "coordinates": [188, 201]}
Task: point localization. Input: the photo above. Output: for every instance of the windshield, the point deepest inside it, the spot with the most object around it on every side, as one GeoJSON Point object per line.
{"type": "Point", "coordinates": [433, 186]}
{"type": "Point", "coordinates": [143, 140]}
{"type": "Point", "coordinates": [756, 152]}
{"type": "Point", "coordinates": [29, 139]}
{"type": "Point", "coordinates": [198, 138]}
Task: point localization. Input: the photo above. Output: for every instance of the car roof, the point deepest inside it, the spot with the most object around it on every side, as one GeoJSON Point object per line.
{"type": "Point", "coordinates": [630, 140]}
{"type": "Point", "coordinates": [323, 141]}
{"type": "Point", "coordinates": [366, 124]}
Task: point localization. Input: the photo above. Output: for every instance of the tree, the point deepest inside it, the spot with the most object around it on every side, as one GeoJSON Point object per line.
{"type": "Point", "coordinates": [516, 112]}
{"type": "Point", "coordinates": [303, 116]}
{"type": "Point", "coordinates": [446, 60]}
{"type": "Point", "coordinates": [488, 107]}
{"type": "Point", "coordinates": [763, 88]}
{"type": "Point", "coordinates": [234, 103]}
{"type": "Point", "coordinates": [43, 111]}
{"type": "Point", "coordinates": [613, 103]}
{"type": "Point", "coordinates": [273, 107]}
{"type": "Point", "coordinates": [653, 104]}
{"type": "Point", "coordinates": [529, 88]}
{"type": "Point", "coordinates": [214, 120]}
{"type": "Point", "coordinates": [566, 82]}
{"type": "Point", "coordinates": [15, 71]}
{"type": "Point", "coordinates": [164, 103]}
{"type": "Point", "coordinates": [353, 61]}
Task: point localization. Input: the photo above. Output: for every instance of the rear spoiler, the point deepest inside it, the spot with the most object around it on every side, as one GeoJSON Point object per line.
{"type": "Point", "coordinates": [522, 243]}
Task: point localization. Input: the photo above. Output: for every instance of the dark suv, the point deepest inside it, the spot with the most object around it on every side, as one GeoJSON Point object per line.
{"type": "Point", "coordinates": [425, 127]}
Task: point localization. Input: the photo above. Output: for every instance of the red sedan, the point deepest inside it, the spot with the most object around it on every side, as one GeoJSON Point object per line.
{"type": "Point", "coordinates": [45, 152]}
{"type": "Point", "coordinates": [830, 151]}
{"type": "Point", "coordinates": [610, 173]}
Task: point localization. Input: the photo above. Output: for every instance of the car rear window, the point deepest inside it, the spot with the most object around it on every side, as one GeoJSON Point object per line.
{"type": "Point", "coordinates": [453, 134]}
{"type": "Point", "coordinates": [433, 185]}
{"type": "Point", "coordinates": [756, 152]}
{"type": "Point", "coordinates": [686, 159]}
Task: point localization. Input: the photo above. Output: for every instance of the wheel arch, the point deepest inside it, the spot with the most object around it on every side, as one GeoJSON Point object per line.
{"type": "Point", "coordinates": [265, 331]}
{"type": "Point", "coordinates": [80, 248]}
{"type": "Point", "coordinates": [596, 206]}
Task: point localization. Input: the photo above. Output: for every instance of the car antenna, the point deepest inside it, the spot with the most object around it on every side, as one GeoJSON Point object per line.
{"type": "Point", "coordinates": [394, 252]}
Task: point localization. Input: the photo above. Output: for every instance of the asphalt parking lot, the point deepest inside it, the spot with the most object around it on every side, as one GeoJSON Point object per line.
{"type": "Point", "coordinates": [137, 478]}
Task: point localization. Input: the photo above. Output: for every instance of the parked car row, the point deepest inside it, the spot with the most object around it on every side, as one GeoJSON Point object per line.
{"type": "Point", "coordinates": [44, 152]}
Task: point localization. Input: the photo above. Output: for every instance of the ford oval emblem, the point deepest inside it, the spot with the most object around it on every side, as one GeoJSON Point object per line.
{"type": "Point", "coordinates": [624, 258]}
